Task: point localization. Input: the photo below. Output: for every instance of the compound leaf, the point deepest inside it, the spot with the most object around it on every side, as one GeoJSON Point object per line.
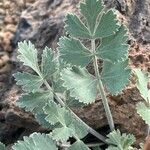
{"type": "Point", "coordinates": [81, 84]}
{"type": "Point", "coordinates": [107, 25]}
{"type": "Point", "coordinates": [69, 126]}
{"type": "Point", "coordinates": [36, 141]}
{"type": "Point", "coordinates": [79, 145]}
{"type": "Point", "coordinates": [115, 75]}
{"type": "Point", "coordinates": [2, 146]}
{"type": "Point", "coordinates": [56, 81]}
{"type": "Point", "coordinates": [91, 10]}
{"type": "Point", "coordinates": [34, 102]}
{"type": "Point", "coordinates": [40, 118]}
{"type": "Point", "coordinates": [49, 63]}
{"type": "Point", "coordinates": [144, 112]}
{"type": "Point", "coordinates": [79, 129]}
{"type": "Point", "coordinates": [142, 83]}
{"type": "Point", "coordinates": [72, 102]}
{"type": "Point", "coordinates": [118, 141]}
{"type": "Point", "coordinates": [114, 47]}
{"type": "Point", "coordinates": [73, 52]}
{"type": "Point", "coordinates": [97, 148]}
{"type": "Point", "coordinates": [56, 113]}
{"type": "Point", "coordinates": [75, 27]}
{"type": "Point", "coordinates": [28, 55]}
{"type": "Point", "coordinates": [62, 134]}
{"type": "Point", "coordinates": [57, 85]}
{"type": "Point", "coordinates": [29, 82]}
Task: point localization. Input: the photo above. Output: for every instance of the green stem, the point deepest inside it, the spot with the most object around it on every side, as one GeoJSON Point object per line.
{"type": "Point", "coordinates": [89, 129]}
{"type": "Point", "coordinates": [101, 89]}
{"type": "Point", "coordinates": [90, 145]}
{"type": "Point", "coordinates": [61, 102]}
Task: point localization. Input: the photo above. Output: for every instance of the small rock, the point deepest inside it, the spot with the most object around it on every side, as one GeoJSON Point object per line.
{"type": "Point", "coordinates": [1, 4]}
{"type": "Point", "coordinates": [7, 36]}
{"type": "Point", "coordinates": [2, 11]}
{"type": "Point", "coordinates": [11, 28]}
{"type": "Point", "coordinates": [6, 69]}
{"type": "Point", "coordinates": [3, 60]}
{"type": "Point", "coordinates": [7, 5]}
{"type": "Point", "coordinates": [8, 19]}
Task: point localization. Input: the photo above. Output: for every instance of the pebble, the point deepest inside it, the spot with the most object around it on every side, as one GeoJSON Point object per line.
{"type": "Point", "coordinates": [3, 60]}
{"type": "Point", "coordinates": [2, 11]}
{"type": "Point", "coordinates": [8, 19]}
{"type": "Point", "coordinates": [7, 5]}
{"type": "Point", "coordinates": [11, 28]}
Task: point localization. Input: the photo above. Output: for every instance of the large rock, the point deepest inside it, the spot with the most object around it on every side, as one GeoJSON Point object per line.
{"type": "Point", "coordinates": [42, 23]}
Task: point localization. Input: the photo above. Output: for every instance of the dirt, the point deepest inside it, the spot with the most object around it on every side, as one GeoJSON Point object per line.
{"type": "Point", "coordinates": [42, 23]}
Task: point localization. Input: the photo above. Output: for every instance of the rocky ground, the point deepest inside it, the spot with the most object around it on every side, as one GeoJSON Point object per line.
{"type": "Point", "coordinates": [41, 21]}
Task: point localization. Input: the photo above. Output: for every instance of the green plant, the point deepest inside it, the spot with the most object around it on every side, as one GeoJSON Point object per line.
{"type": "Point", "coordinates": [117, 141]}
{"type": "Point", "coordinates": [2, 146]}
{"type": "Point", "coordinates": [51, 102]}
{"type": "Point", "coordinates": [143, 108]}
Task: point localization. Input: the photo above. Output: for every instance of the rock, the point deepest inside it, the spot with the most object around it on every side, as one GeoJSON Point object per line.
{"type": "Point", "coordinates": [7, 5]}
{"type": "Point", "coordinates": [42, 23]}
{"type": "Point", "coordinates": [6, 40]}
{"type": "Point", "coordinates": [2, 11]}
{"type": "Point", "coordinates": [8, 20]}
{"type": "Point", "coordinates": [37, 19]}
{"type": "Point", "coordinates": [4, 60]}
{"type": "Point", "coordinates": [139, 22]}
{"type": "Point", "coordinates": [11, 28]}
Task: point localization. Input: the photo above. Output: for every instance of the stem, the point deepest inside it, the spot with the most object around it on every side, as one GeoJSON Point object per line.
{"type": "Point", "coordinates": [89, 129]}
{"type": "Point", "coordinates": [90, 145]}
{"type": "Point", "coordinates": [58, 99]}
{"type": "Point", "coordinates": [61, 102]}
{"type": "Point", "coordinates": [101, 89]}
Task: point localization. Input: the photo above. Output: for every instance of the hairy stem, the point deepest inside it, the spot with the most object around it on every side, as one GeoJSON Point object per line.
{"type": "Point", "coordinates": [101, 89]}
{"type": "Point", "coordinates": [90, 145]}
{"type": "Point", "coordinates": [89, 129]}
{"type": "Point", "coordinates": [61, 102]}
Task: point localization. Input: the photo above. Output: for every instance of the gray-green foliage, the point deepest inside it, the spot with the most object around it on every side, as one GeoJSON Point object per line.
{"type": "Point", "coordinates": [113, 48]}
{"type": "Point", "coordinates": [118, 141]}
{"type": "Point", "coordinates": [81, 84]}
{"type": "Point", "coordinates": [91, 14]}
{"type": "Point", "coordinates": [49, 63]}
{"type": "Point", "coordinates": [29, 82]}
{"type": "Point", "coordinates": [36, 141]}
{"type": "Point", "coordinates": [144, 111]}
{"type": "Point", "coordinates": [79, 145]}
{"type": "Point", "coordinates": [142, 84]}
{"type": "Point", "coordinates": [34, 102]}
{"type": "Point", "coordinates": [44, 95]}
{"type": "Point", "coordinates": [2, 146]}
{"type": "Point", "coordinates": [113, 72]}
{"type": "Point", "coordinates": [143, 108]}
{"type": "Point", "coordinates": [41, 102]}
{"type": "Point", "coordinates": [28, 55]}
{"type": "Point", "coordinates": [69, 127]}
{"type": "Point", "coordinates": [72, 48]}
{"type": "Point", "coordinates": [97, 148]}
